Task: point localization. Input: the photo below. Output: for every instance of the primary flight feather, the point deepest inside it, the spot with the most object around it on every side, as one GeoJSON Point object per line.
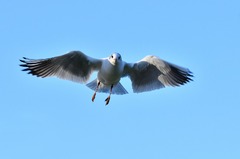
{"type": "Point", "coordinates": [148, 74]}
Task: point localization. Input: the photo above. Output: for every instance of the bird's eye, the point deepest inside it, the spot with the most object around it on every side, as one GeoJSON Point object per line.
{"type": "Point", "coordinates": [112, 56]}
{"type": "Point", "coordinates": [119, 57]}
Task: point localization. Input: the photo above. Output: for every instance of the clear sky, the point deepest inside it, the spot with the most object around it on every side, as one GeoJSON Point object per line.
{"type": "Point", "coordinates": [56, 119]}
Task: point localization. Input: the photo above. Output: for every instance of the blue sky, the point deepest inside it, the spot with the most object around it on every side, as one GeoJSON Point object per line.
{"type": "Point", "coordinates": [55, 119]}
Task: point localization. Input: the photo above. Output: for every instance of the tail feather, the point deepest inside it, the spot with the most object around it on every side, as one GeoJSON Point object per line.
{"type": "Point", "coordinates": [117, 89]}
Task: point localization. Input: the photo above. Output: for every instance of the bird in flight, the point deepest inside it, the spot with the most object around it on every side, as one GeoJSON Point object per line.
{"type": "Point", "coordinates": [148, 74]}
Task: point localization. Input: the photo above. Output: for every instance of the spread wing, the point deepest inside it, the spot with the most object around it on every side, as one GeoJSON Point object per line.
{"type": "Point", "coordinates": [152, 73]}
{"type": "Point", "coordinates": [74, 66]}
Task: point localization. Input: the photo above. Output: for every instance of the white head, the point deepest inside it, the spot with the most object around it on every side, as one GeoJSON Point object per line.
{"type": "Point", "coordinates": [115, 58]}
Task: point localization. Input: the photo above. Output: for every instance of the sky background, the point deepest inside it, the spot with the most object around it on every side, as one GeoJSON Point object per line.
{"type": "Point", "coordinates": [56, 119]}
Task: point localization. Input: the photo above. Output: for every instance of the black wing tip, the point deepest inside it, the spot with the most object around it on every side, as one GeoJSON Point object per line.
{"type": "Point", "coordinates": [27, 67]}
{"type": "Point", "coordinates": [190, 73]}
{"type": "Point", "coordinates": [24, 60]}
{"type": "Point", "coordinates": [25, 64]}
{"type": "Point", "coordinates": [190, 76]}
{"type": "Point", "coordinates": [183, 75]}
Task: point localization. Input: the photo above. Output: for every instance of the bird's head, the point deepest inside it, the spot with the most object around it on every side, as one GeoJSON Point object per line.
{"type": "Point", "coordinates": [115, 58]}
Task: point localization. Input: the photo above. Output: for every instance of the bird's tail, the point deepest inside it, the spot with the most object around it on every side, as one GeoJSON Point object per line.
{"type": "Point", "coordinates": [117, 89]}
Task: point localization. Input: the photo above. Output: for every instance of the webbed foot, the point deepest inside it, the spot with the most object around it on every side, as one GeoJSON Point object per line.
{"type": "Point", "coordinates": [107, 100]}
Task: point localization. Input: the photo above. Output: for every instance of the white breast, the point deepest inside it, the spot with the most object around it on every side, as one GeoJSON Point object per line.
{"type": "Point", "coordinates": [110, 74]}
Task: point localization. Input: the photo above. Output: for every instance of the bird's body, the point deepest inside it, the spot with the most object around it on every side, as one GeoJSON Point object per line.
{"type": "Point", "coordinates": [148, 74]}
{"type": "Point", "coordinates": [110, 73]}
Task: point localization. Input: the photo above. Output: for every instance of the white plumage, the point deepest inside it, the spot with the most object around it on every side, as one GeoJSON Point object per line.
{"type": "Point", "coordinates": [148, 74]}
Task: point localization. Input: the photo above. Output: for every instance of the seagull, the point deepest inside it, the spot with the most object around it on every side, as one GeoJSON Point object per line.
{"type": "Point", "coordinates": [150, 73]}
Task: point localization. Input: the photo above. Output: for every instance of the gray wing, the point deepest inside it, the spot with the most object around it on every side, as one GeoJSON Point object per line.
{"type": "Point", "coordinates": [74, 66]}
{"type": "Point", "coordinates": [153, 73]}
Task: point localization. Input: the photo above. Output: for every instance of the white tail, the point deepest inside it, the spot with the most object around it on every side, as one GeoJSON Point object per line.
{"type": "Point", "coordinates": [117, 89]}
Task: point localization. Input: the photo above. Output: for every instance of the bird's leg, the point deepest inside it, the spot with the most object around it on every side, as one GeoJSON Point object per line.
{"type": "Point", "coordinates": [94, 95]}
{"type": "Point", "coordinates": [107, 100]}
